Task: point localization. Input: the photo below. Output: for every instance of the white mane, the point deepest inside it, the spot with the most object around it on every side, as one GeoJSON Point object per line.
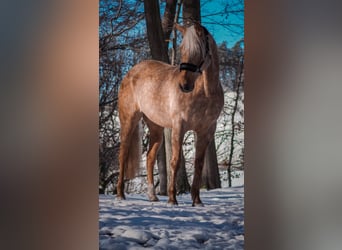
{"type": "Point", "coordinates": [192, 43]}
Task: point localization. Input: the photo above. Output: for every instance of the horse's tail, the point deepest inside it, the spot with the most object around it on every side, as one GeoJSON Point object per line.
{"type": "Point", "coordinates": [134, 152]}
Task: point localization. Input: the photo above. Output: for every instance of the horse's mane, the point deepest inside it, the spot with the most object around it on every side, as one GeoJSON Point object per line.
{"type": "Point", "coordinates": [192, 42]}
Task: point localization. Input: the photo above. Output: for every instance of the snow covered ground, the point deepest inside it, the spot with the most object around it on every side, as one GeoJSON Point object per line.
{"type": "Point", "coordinates": [136, 223]}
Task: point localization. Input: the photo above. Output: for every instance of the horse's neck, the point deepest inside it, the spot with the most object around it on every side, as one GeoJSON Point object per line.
{"type": "Point", "coordinates": [211, 82]}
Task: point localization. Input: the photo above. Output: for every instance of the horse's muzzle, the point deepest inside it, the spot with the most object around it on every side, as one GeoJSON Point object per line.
{"type": "Point", "coordinates": [186, 88]}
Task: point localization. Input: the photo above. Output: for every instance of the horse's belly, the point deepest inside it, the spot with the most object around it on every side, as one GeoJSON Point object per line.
{"type": "Point", "coordinates": [157, 114]}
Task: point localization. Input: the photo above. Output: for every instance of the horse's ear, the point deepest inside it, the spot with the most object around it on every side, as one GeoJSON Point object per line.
{"type": "Point", "coordinates": [180, 28]}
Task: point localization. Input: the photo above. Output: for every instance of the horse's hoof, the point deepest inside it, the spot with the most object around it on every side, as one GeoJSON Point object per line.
{"type": "Point", "coordinates": [120, 197]}
{"type": "Point", "coordinates": [153, 198]}
{"type": "Point", "coordinates": [197, 204]}
{"type": "Point", "coordinates": [172, 203]}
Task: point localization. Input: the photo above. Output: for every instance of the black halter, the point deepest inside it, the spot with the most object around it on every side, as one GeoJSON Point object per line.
{"type": "Point", "coordinates": [192, 67]}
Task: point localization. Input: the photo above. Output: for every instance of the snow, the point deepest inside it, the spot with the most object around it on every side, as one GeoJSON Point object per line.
{"type": "Point", "coordinates": [136, 223]}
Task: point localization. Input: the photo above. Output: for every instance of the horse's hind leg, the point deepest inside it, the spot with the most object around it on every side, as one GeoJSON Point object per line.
{"type": "Point", "coordinates": [156, 137]}
{"type": "Point", "coordinates": [129, 120]}
{"type": "Point", "coordinates": [123, 156]}
{"type": "Point", "coordinates": [127, 129]}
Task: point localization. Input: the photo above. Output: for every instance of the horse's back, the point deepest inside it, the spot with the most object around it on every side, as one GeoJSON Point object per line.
{"type": "Point", "coordinates": [148, 89]}
{"type": "Point", "coordinates": [149, 68]}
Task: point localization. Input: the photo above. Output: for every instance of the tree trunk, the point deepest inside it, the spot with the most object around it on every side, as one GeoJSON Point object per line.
{"type": "Point", "coordinates": [158, 49]}
{"type": "Point", "coordinates": [236, 100]}
{"type": "Point", "coordinates": [155, 32]}
{"type": "Point", "coordinates": [182, 183]}
{"type": "Point", "coordinates": [210, 174]}
{"type": "Point", "coordinates": [161, 162]}
{"type": "Point", "coordinates": [167, 25]}
{"type": "Point", "coordinates": [158, 34]}
{"type": "Point", "coordinates": [168, 19]}
{"type": "Point", "coordinates": [168, 151]}
{"type": "Point", "coordinates": [191, 12]}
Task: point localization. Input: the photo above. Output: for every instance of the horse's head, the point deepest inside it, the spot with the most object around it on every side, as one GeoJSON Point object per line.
{"type": "Point", "coordinates": [194, 51]}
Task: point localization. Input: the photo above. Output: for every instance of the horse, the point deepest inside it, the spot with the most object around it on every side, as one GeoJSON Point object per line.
{"type": "Point", "coordinates": [182, 97]}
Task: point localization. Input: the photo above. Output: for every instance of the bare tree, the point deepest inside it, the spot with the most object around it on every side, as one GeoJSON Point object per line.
{"type": "Point", "coordinates": [118, 48]}
{"type": "Point", "coordinates": [164, 153]}
{"type": "Point", "coordinates": [239, 80]}
{"type": "Point", "coordinates": [155, 32]}
{"type": "Point", "coordinates": [158, 47]}
{"type": "Point", "coordinates": [191, 12]}
{"type": "Point", "coordinates": [210, 174]}
{"type": "Point", "coordinates": [157, 39]}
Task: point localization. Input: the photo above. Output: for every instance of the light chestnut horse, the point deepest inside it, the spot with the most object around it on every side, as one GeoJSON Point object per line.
{"type": "Point", "coordinates": [184, 97]}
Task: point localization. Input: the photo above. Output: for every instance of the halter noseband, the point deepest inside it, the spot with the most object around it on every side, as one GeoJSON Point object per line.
{"type": "Point", "coordinates": [192, 67]}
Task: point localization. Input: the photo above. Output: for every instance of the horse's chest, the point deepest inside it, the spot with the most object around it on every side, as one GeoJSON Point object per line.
{"type": "Point", "coordinates": [203, 110]}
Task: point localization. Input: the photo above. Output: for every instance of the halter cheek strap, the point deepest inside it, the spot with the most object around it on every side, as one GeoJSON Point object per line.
{"type": "Point", "coordinates": [192, 67]}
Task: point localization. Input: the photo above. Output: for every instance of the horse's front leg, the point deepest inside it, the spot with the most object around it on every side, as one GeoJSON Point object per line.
{"type": "Point", "coordinates": [176, 141]}
{"type": "Point", "coordinates": [202, 142]}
